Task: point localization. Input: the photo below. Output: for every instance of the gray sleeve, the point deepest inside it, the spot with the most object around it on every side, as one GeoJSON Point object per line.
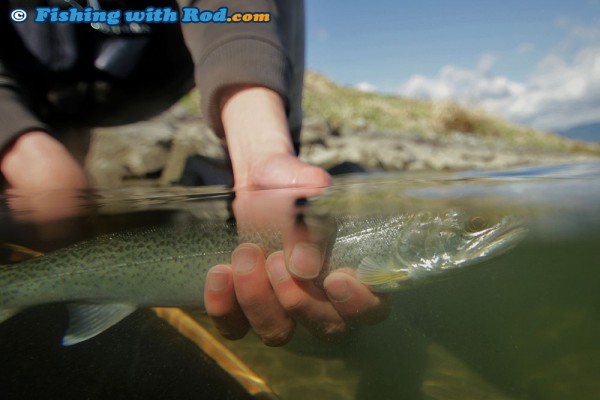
{"type": "Point", "coordinates": [264, 54]}
{"type": "Point", "coordinates": [15, 117]}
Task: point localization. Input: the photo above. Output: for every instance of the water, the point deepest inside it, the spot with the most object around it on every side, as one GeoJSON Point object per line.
{"type": "Point", "coordinates": [523, 325]}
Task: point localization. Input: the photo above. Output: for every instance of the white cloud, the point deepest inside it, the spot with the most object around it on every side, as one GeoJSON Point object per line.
{"type": "Point", "coordinates": [365, 87]}
{"type": "Point", "coordinates": [465, 85]}
{"type": "Point", "coordinates": [563, 91]}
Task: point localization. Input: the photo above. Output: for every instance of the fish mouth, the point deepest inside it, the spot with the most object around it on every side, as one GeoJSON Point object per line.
{"type": "Point", "coordinates": [496, 239]}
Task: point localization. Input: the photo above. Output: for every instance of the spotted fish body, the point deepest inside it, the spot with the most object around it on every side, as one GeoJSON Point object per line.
{"type": "Point", "coordinates": [106, 278]}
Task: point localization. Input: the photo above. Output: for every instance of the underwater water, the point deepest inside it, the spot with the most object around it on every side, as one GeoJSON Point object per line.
{"type": "Point", "coordinates": [522, 324]}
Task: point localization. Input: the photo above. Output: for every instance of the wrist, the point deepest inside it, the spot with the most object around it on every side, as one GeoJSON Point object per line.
{"type": "Point", "coordinates": [256, 129]}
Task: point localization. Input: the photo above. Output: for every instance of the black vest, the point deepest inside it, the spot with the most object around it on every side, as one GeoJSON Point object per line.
{"type": "Point", "coordinates": [95, 75]}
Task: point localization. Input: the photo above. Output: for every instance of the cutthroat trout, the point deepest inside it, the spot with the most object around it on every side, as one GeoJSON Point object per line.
{"type": "Point", "coordinates": [105, 279]}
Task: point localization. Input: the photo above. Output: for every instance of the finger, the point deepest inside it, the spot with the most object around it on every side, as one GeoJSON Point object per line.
{"type": "Point", "coordinates": [221, 304]}
{"type": "Point", "coordinates": [265, 210]}
{"type": "Point", "coordinates": [305, 260]}
{"type": "Point", "coordinates": [278, 211]}
{"type": "Point", "coordinates": [353, 300]}
{"type": "Point", "coordinates": [256, 297]}
{"type": "Point", "coordinates": [304, 301]}
{"type": "Point", "coordinates": [306, 245]}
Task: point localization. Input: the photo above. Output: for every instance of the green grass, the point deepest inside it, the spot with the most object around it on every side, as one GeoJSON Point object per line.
{"type": "Point", "coordinates": [191, 102]}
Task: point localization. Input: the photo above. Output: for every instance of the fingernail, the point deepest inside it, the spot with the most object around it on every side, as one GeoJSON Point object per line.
{"type": "Point", "coordinates": [217, 281]}
{"type": "Point", "coordinates": [306, 261]}
{"type": "Point", "coordinates": [277, 270]}
{"type": "Point", "coordinates": [243, 260]}
{"type": "Point", "coordinates": [338, 290]}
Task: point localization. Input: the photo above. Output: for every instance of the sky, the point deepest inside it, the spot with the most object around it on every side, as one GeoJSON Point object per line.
{"type": "Point", "coordinates": [534, 62]}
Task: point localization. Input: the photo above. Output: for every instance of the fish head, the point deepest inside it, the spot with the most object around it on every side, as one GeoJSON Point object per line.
{"type": "Point", "coordinates": [430, 243]}
{"type": "Point", "coordinates": [450, 239]}
{"type": "Point", "coordinates": [487, 236]}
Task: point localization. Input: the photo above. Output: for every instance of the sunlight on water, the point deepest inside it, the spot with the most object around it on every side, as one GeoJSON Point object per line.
{"type": "Point", "coordinates": [521, 325]}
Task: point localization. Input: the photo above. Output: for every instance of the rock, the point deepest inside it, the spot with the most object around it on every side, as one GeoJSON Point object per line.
{"type": "Point", "coordinates": [161, 147]}
{"type": "Point", "coordinates": [155, 150]}
{"type": "Point", "coordinates": [129, 151]}
{"type": "Point", "coordinates": [191, 139]}
{"type": "Point", "coordinates": [357, 127]}
{"type": "Point", "coordinates": [314, 130]}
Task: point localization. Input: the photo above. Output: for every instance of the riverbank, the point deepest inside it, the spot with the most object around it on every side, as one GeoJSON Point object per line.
{"type": "Point", "coordinates": [342, 124]}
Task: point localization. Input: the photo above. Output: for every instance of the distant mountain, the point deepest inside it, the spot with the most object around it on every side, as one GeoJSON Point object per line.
{"type": "Point", "coordinates": [586, 132]}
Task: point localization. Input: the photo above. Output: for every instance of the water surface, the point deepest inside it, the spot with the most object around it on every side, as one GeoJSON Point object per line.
{"type": "Point", "coordinates": [523, 325]}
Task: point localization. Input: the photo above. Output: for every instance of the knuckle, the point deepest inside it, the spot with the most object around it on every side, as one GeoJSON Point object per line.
{"type": "Point", "coordinates": [251, 302]}
{"type": "Point", "coordinates": [293, 303]}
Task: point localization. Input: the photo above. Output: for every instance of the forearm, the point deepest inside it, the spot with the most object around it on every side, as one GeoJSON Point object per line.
{"type": "Point", "coordinates": [270, 55]}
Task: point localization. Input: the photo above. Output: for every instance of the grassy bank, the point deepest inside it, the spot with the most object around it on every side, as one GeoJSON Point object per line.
{"type": "Point", "coordinates": [343, 105]}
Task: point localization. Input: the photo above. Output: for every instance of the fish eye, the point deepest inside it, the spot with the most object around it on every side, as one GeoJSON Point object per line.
{"type": "Point", "coordinates": [477, 223]}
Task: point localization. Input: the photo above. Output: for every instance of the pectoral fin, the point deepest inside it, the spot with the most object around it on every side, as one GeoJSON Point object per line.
{"type": "Point", "coordinates": [374, 272]}
{"type": "Point", "coordinates": [87, 321]}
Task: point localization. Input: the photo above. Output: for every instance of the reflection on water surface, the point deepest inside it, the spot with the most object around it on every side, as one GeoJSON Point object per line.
{"type": "Point", "coordinates": [522, 324]}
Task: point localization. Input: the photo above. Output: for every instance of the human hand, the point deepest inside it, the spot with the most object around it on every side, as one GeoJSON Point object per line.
{"type": "Point", "coordinates": [271, 295]}
{"type": "Point", "coordinates": [44, 177]}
